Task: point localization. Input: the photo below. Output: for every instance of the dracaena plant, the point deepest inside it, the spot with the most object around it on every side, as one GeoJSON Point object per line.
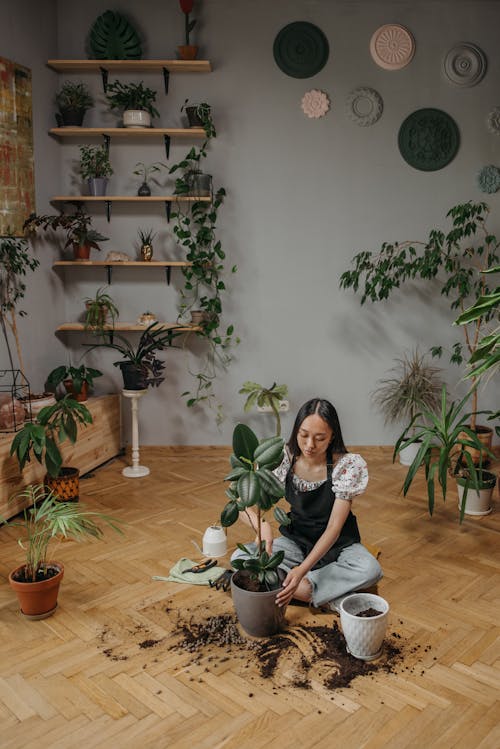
{"type": "Point", "coordinates": [253, 484]}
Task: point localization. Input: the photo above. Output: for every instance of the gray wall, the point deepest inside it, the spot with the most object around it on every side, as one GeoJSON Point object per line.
{"type": "Point", "coordinates": [303, 196]}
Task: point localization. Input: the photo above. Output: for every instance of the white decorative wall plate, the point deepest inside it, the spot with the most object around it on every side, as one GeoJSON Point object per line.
{"type": "Point", "coordinates": [488, 179]}
{"type": "Point", "coordinates": [364, 106]}
{"type": "Point", "coordinates": [392, 46]}
{"type": "Point", "coordinates": [465, 64]}
{"type": "Point", "coordinates": [493, 121]}
{"type": "Point", "coordinates": [315, 103]}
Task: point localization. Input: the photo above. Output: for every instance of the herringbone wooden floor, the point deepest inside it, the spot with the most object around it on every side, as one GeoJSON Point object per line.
{"type": "Point", "coordinates": [101, 672]}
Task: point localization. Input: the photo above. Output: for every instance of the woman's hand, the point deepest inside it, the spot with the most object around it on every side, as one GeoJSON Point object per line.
{"type": "Point", "coordinates": [290, 585]}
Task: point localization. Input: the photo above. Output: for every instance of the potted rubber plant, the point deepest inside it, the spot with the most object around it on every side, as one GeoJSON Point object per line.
{"type": "Point", "coordinates": [413, 382]}
{"type": "Point", "coordinates": [252, 484]}
{"type": "Point", "coordinates": [42, 439]}
{"type": "Point", "coordinates": [445, 442]}
{"type": "Point", "coordinates": [78, 227]}
{"type": "Point", "coordinates": [135, 100]}
{"type": "Point", "coordinates": [187, 51]}
{"type": "Point", "coordinates": [76, 380]}
{"type": "Point", "coordinates": [73, 100]}
{"type": "Point", "coordinates": [36, 582]}
{"type": "Point", "coordinates": [99, 310]}
{"type": "Point", "coordinates": [266, 399]}
{"type": "Point", "coordinates": [95, 168]}
{"type": "Point", "coordinates": [139, 364]}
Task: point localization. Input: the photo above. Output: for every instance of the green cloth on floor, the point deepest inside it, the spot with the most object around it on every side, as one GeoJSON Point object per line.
{"type": "Point", "coordinates": [176, 574]}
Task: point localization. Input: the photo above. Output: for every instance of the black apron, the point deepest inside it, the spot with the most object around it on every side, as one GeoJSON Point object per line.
{"type": "Point", "coordinates": [309, 515]}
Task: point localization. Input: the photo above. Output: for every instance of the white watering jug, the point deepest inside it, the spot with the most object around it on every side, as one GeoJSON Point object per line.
{"type": "Point", "coordinates": [214, 541]}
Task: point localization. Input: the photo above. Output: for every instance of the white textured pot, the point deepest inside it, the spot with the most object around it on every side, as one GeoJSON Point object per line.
{"type": "Point", "coordinates": [408, 454]}
{"type": "Point", "coordinates": [364, 635]}
{"type": "Point", "coordinates": [477, 503]}
{"type": "Point", "coordinates": [136, 118]}
{"type": "Point", "coordinates": [214, 541]}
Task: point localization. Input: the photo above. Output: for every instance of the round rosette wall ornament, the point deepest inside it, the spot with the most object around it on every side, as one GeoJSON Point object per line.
{"type": "Point", "coordinates": [301, 49]}
{"type": "Point", "coordinates": [488, 179]}
{"type": "Point", "coordinates": [364, 106]}
{"type": "Point", "coordinates": [428, 139]}
{"type": "Point", "coordinates": [315, 104]}
{"type": "Point", "coordinates": [392, 46]}
{"type": "Point", "coordinates": [465, 64]}
{"type": "Point", "coordinates": [493, 121]}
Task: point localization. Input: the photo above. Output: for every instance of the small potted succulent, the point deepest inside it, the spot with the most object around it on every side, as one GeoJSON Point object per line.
{"type": "Point", "coordinates": [139, 364]}
{"type": "Point", "coordinates": [42, 438]}
{"type": "Point", "coordinates": [73, 100]}
{"type": "Point", "coordinates": [187, 51]}
{"type": "Point", "coordinates": [76, 380]}
{"type": "Point", "coordinates": [145, 171]}
{"type": "Point", "coordinates": [78, 227]}
{"type": "Point", "coordinates": [37, 581]}
{"type": "Point", "coordinates": [99, 309]}
{"type": "Point", "coordinates": [253, 484]}
{"type": "Point", "coordinates": [95, 168]}
{"type": "Point", "coordinates": [135, 100]}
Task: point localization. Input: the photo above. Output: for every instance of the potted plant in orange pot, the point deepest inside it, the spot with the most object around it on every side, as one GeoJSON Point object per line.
{"type": "Point", "coordinates": [76, 380]}
{"type": "Point", "coordinates": [42, 439]}
{"type": "Point", "coordinates": [187, 51]}
{"type": "Point", "coordinates": [78, 227]}
{"type": "Point", "coordinates": [37, 581]}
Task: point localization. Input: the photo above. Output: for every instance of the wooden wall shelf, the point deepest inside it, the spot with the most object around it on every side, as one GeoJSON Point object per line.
{"type": "Point", "coordinates": [109, 199]}
{"type": "Point", "coordinates": [128, 132]}
{"type": "Point", "coordinates": [120, 327]}
{"type": "Point", "coordinates": [109, 265]}
{"type": "Point", "coordinates": [173, 66]}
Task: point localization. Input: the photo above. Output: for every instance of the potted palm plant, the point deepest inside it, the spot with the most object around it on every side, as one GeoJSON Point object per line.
{"type": "Point", "coordinates": [76, 380]}
{"type": "Point", "coordinates": [252, 484]}
{"type": "Point", "coordinates": [139, 364]}
{"type": "Point", "coordinates": [445, 442]}
{"type": "Point", "coordinates": [266, 399]}
{"type": "Point", "coordinates": [412, 382]}
{"type": "Point", "coordinates": [37, 581]}
{"type": "Point", "coordinates": [78, 227]}
{"type": "Point", "coordinates": [135, 100]}
{"type": "Point", "coordinates": [73, 100]}
{"type": "Point", "coordinates": [95, 168]}
{"type": "Point", "coordinates": [42, 438]}
{"type": "Point", "coordinates": [99, 310]}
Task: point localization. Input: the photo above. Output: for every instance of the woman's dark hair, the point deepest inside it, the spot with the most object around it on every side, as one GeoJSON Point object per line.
{"type": "Point", "coordinates": [328, 413]}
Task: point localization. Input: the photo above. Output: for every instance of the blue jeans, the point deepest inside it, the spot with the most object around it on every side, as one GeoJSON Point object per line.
{"type": "Point", "coordinates": [354, 569]}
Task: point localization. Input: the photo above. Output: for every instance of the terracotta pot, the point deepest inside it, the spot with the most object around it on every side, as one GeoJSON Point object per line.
{"type": "Point", "coordinates": [187, 51]}
{"type": "Point", "coordinates": [485, 435]}
{"type": "Point", "coordinates": [81, 252]}
{"type": "Point", "coordinates": [257, 612]}
{"type": "Point", "coordinates": [37, 600]}
{"type": "Point", "coordinates": [66, 486]}
{"type": "Point", "coordinates": [82, 396]}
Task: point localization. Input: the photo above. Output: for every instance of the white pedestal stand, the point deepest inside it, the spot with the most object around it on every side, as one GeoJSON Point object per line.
{"type": "Point", "coordinates": [135, 470]}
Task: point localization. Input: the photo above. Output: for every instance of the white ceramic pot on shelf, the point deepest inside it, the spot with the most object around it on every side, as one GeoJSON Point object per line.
{"type": "Point", "coordinates": [136, 118]}
{"type": "Point", "coordinates": [364, 635]}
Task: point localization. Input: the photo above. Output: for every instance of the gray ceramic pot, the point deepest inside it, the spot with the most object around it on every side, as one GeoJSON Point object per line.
{"type": "Point", "coordinates": [257, 613]}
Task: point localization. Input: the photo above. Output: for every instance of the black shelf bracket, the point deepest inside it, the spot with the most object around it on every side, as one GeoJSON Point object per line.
{"type": "Point", "coordinates": [107, 141]}
{"type": "Point", "coordinates": [168, 209]}
{"type": "Point", "coordinates": [166, 78]}
{"type": "Point", "coordinates": [168, 270]}
{"type": "Point", "coordinates": [109, 273]}
{"type": "Point", "coordinates": [108, 210]}
{"type": "Point", "coordinates": [169, 334]}
{"type": "Point", "coordinates": [166, 138]}
{"type": "Point", "coordinates": [104, 76]}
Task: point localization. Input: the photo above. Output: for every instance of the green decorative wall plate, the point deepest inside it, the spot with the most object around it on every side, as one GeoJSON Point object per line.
{"type": "Point", "coordinates": [428, 139]}
{"type": "Point", "coordinates": [113, 38]}
{"type": "Point", "coordinates": [301, 49]}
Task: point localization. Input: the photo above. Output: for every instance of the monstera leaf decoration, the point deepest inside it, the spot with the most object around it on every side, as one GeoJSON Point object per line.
{"type": "Point", "coordinates": [113, 38]}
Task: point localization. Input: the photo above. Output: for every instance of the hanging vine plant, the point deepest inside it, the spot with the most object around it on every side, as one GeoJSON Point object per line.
{"type": "Point", "coordinates": [195, 228]}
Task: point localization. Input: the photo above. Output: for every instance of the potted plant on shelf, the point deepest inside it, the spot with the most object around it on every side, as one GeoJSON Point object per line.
{"type": "Point", "coordinates": [135, 100]}
{"type": "Point", "coordinates": [76, 380]}
{"type": "Point", "coordinates": [99, 309]}
{"type": "Point", "coordinates": [139, 364]}
{"type": "Point", "coordinates": [266, 399]}
{"type": "Point", "coordinates": [187, 51]}
{"type": "Point", "coordinates": [73, 100]}
{"type": "Point", "coordinates": [445, 440]}
{"type": "Point", "coordinates": [42, 439]}
{"type": "Point", "coordinates": [253, 484]}
{"type": "Point", "coordinates": [95, 168]}
{"type": "Point", "coordinates": [413, 383]}
{"type": "Point", "coordinates": [78, 227]}
{"type": "Point", "coordinates": [145, 171]}
{"type": "Point", "coordinates": [146, 237]}
{"type": "Point", "coordinates": [37, 581]}
{"type": "Point", "coordinates": [200, 115]}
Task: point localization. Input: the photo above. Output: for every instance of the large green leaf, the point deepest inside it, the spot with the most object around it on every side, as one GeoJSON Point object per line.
{"type": "Point", "coordinates": [249, 489]}
{"type": "Point", "coordinates": [112, 37]}
{"type": "Point", "coordinates": [229, 514]}
{"type": "Point", "coordinates": [244, 442]}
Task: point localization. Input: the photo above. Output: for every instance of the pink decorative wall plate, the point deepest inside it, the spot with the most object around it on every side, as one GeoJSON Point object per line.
{"type": "Point", "coordinates": [392, 46]}
{"type": "Point", "coordinates": [315, 103]}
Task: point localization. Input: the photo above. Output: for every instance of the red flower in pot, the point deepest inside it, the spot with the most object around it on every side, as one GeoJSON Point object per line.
{"type": "Point", "coordinates": [187, 51]}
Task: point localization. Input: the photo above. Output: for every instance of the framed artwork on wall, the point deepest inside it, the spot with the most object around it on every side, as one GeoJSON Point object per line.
{"type": "Point", "coordinates": [17, 189]}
